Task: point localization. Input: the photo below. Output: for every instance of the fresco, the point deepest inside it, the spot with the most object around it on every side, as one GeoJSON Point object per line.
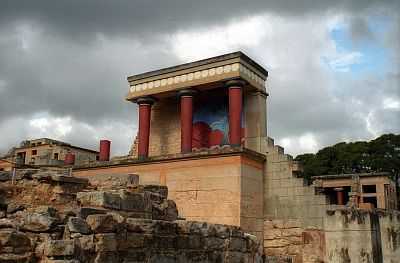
{"type": "Point", "coordinates": [211, 123]}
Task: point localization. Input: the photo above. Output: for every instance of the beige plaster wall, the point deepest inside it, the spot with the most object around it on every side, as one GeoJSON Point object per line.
{"type": "Point", "coordinates": [222, 189]}
{"type": "Point", "coordinates": [390, 235]}
{"type": "Point", "coordinates": [286, 196]}
{"type": "Point", "coordinates": [255, 112]}
{"type": "Point", "coordinates": [252, 197]}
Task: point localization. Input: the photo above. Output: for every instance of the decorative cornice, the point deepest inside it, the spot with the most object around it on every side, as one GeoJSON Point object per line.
{"type": "Point", "coordinates": [198, 77]}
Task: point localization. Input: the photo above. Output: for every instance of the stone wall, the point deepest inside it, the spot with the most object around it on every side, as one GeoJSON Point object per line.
{"type": "Point", "coordinates": [355, 235]}
{"type": "Point", "coordinates": [222, 186]}
{"type": "Point", "coordinates": [285, 239]}
{"type": "Point", "coordinates": [288, 197]}
{"type": "Point", "coordinates": [115, 222]}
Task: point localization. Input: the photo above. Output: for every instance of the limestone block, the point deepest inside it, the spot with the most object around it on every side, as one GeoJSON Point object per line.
{"type": "Point", "coordinates": [78, 225]}
{"type": "Point", "coordinates": [106, 242]}
{"type": "Point", "coordinates": [292, 223]}
{"type": "Point", "coordinates": [272, 233]}
{"type": "Point", "coordinates": [163, 242]}
{"type": "Point", "coordinates": [102, 223]}
{"type": "Point", "coordinates": [291, 232]}
{"type": "Point", "coordinates": [84, 212]}
{"type": "Point", "coordinates": [274, 243]}
{"type": "Point", "coordinates": [85, 243]}
{"type": "Point", "coordinates": [133, 202]}
{"type": "Point", "coordinates": [214, 243]}
{"type": "Point", "coordinates": [189, 242]}
{"type": "Point", "coordinates": [106, 257]}
{"type": "Point", "coordinates": [13, 207]}
{"type": "Point", "coordinates": [8, 223]}
{"type": "Point", "coordinates": [99, 199]}
{"type": "Point", "coordinates": [139, 225]}
{"type": "Point", "coordinates": [15, 242]}
{"type": "Point", "coordinates": [237, 244]}
{"type": "Point", "coordinates": [55, 248]}
{"type": "Point", "coordinates": [36, 222]}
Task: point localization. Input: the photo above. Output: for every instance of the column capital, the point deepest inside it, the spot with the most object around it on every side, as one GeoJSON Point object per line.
{"type": "Point", "coordinates": [187, 92]}
{"type": "Point", "coordinates": [146, 100]}
{"type": "Point", "coordinates": [235, 83]}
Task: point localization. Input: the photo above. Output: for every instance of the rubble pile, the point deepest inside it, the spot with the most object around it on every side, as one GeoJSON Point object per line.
{"type": "Point", "coordinates": [48, 216]}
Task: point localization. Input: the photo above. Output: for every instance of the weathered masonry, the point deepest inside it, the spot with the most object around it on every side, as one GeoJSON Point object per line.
{"type": "Point", "coordinates": [203, 134]}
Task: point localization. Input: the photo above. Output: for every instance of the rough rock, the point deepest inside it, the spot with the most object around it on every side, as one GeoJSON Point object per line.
{"type": "Point", "coordinates": [78, 225]}
{"type": "Point", "coordinates": [62, 220]}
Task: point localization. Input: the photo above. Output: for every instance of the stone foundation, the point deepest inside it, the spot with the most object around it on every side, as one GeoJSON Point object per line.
{"type": "Point", "coordinates": [122, 222]}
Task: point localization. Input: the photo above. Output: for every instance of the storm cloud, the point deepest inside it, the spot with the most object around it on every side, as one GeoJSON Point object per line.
{"type": "Point", "coordinates": [63, 65]}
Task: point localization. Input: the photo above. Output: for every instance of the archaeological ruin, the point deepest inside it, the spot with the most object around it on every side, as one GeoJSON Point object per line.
{"type": "Point", "coordinates": [202, 182]}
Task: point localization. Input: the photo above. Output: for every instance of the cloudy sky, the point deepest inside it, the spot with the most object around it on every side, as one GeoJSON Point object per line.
{"type": "Point", "coordinates": [334, 66]}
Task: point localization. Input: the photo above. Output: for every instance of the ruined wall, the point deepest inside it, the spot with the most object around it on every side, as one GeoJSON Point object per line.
{"type": "Point", "coordinates": [355, 235]}
{"type": "Point", "coordinates": [108, 223]}
{"type": "Point", "coordinates": [348, 236]}
{"type": "Point", "coordinates": [390, 235]}
{"type": "Point", "coordinates": [286, 196]}
{"type": "Point", "coordinates": [225, 189]}
{"type": "Point", "coordinates": [287, 239]}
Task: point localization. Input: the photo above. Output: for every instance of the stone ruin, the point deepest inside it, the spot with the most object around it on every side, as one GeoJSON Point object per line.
{"type": "Point", "coordinates": [49, 216]}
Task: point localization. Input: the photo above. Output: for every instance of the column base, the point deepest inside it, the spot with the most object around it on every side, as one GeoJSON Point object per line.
{"type": "Point", "coordinates": [143, 157]}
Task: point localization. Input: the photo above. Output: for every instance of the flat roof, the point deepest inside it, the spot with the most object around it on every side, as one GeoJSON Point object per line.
{"type": "Point", "coordinates": [55, 142]}
{"type": "Point", "coordinates": [344, 176]}
{"type": "Point", "coordinates": [237, 54]}
{"type": "Point", "coordinates": [202, 74]}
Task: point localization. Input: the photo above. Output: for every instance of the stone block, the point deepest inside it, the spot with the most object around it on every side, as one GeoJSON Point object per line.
{"type": "Point", "coordinates": [85, 243]}
{"type": "Point", "coordinates": [291, 232]}
{"type": "Point", "coordinates": [139, 225]}
{"type": "Point", "coordinates": [272, 233]}
{"type": "Point", "coordinates": [78, 225]}
{"type": "Point", "coordinates": [132, 202]}
{"type": "Point", "coordinates": [100, 199]}
{"type": "Point", "coordinates": [13, 241]}
{"type": "Point", "coordinates": [106, 257]}
{"type": "Point", "coordinates": [163, 242]}
{"type": "Point", "coordinates": [275, 243]}
{"type": "Point", "coordinates": [37, 222]}
{"type": "Point", "coordinates": [55, 248]}
{"type": "Point", "coordinates": [131, 241]}
{"type": "Point", "coordinates": [102, 223]}
{"type": "Point", "coordinates": [84, 212]}
{"type": "Point", "coordinates": [215, 243]}
{"type": "Point", "coordinates": [106, 242]}
{"type": "Point", "coordinates": [8, 223]}
{"type": "Point", "coordinates": [189, 242]}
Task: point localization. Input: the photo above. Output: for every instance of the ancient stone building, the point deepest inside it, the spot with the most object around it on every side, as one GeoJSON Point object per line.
{"type": "Point", "coordinates": [203, 133]}
{"type": "Point", "coordinates": [46, 151]}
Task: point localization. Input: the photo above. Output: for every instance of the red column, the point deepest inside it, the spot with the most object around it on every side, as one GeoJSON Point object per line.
{"type": "Point", "coordinates": [235, 111]}
{"type": "Point", "coordinates": [144, 126]}
{"type": "Point", "coordinates": [340, 196]}
{"type": "Point", "coordinates": [186, 97]}
{"type": "Point", "coordinates": [104, 154]}
{"type": "Point", "coordinates": [69, 159]}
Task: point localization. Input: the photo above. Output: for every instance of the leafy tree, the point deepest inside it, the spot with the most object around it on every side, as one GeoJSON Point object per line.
{"type": "Point", "coordinates": [379, 155]}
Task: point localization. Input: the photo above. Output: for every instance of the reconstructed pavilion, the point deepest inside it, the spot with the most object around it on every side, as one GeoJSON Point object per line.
{"type": "Point", "coordinates": [203, 133]}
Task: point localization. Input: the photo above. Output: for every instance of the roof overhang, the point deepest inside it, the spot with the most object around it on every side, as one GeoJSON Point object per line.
{"type": "Point", "coordinates": [202, 74]}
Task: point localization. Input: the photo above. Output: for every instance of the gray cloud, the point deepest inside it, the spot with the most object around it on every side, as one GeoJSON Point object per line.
{"type": "Point", "coordinates": [71, 58]}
